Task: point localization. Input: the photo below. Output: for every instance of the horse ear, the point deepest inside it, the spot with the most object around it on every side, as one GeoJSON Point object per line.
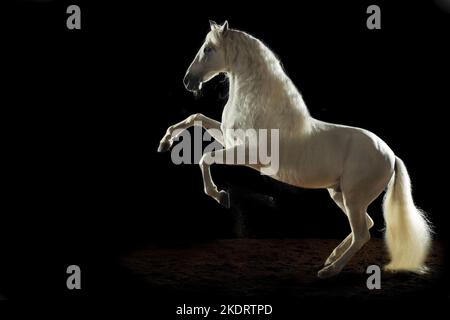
{"type": "Point", "coordinates": [224, 27]}
{"type": "Point", "coordinates": [213, 25]}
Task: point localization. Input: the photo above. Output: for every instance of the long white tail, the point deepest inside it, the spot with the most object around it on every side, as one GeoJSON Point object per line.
{"type": "Point", "coordinates": [408, 234]}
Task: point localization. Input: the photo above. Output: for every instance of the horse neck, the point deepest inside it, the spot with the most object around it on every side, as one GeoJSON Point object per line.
{"type": "Point", "coordinates": [266, 89]}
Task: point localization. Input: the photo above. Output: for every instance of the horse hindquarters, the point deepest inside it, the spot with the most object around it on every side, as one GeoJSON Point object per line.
{"type": "Point", "coordinates": [367, 170]}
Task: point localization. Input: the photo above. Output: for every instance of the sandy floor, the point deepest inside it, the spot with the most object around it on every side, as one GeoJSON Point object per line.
{"type": "Point", "coordinates": [272, 268]}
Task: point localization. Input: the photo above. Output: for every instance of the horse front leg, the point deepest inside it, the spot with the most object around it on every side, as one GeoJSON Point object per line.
{"type": "Point", "coordinates": [210, 187]}
{"type": "Point", "coordinates": [224, 156]}
{"type": "Point", "coordinates": [211, 125]}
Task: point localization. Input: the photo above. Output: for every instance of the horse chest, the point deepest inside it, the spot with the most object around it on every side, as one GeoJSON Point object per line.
{"type": "Point", "coordinates": [234, 118]}
{"type": "Point", "coordinates": [236, 121]}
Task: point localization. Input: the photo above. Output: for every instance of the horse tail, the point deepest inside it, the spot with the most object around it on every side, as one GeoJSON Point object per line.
{"type": "Point", "coordinates": [408, 233]}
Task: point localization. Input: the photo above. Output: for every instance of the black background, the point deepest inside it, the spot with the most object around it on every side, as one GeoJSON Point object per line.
{"type": "Point", "coordinates": [84, 111]}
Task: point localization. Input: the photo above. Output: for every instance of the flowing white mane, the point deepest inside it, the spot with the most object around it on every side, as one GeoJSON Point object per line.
{"type": "Point", "coordinates": [257, 80]}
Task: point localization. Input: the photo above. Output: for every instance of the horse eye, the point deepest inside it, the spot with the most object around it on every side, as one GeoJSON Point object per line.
{"type": "Point", "coordinates": [207, 50]}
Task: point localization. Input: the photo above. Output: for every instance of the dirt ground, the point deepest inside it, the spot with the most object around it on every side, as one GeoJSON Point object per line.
{"type": "Point", "coordinates": [261, 268]}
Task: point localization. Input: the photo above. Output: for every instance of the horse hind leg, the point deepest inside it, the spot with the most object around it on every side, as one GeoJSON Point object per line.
{"type": "Point", "coordinates": [340, 249]}
{"type": "Point", "coordinates": [356, 213]}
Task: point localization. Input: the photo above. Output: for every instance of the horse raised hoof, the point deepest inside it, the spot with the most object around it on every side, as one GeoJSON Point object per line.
{"type": "Point", "coordinates": [224, 199]}
{"type": "Point", "coordinates": [164, 146]}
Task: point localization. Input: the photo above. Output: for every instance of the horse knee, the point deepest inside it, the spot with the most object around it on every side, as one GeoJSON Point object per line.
{"type": "Point", "coordinates": [194, 117]}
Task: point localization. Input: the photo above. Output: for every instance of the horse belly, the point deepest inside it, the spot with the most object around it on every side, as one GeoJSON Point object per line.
{"type": "Point", "coordinates": [317, 180]}
{"type": "Point", "coordinates": [309, 171]}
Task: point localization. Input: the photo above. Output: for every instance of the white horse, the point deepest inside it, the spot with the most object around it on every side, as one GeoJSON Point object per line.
{"type": "Point", "coordinates": [354, 164]}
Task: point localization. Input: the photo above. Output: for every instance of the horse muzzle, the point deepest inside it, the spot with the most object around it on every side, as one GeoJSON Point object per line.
{"type": "Point", "coordinates": [192, 83]}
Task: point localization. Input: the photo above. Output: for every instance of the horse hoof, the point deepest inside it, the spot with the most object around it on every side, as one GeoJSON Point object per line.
{"type": "Point", "coordinates": [327, 272]}
{"type": "Point", "coordinates": [329, 261]}
{"type": "Point", "coordinates": [224, 199]}
{"type": "Point", "coordinates": [164, 146]}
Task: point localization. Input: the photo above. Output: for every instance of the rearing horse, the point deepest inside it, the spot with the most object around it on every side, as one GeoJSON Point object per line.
{"type": "Point", "coordinates": [354, 164]}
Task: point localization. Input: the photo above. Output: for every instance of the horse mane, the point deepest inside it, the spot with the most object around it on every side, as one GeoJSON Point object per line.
{"type": "Point", "coordinates": [258, 73]}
